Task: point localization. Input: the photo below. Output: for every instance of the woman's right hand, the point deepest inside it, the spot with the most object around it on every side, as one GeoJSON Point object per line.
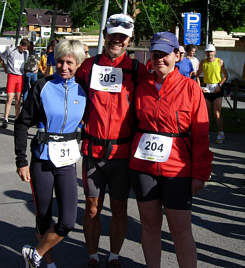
{"type": "Point", "coordinates": [24, 173]}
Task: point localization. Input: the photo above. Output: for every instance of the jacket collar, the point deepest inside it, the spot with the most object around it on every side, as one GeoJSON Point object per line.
{"type": "Point", "coordinates": [108, 62]}
{"type": "Point", "coordinates": [61, 80]}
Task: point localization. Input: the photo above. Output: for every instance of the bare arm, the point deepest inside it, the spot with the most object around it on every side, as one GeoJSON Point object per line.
{"type": "Point", "coordinates": [3, 64]}
{"type": "Point", "coordinates": [199, 71]}
{"type": "Point", "coordinates": [224, 72]}
{"type": "Point", "coordinates": [224, 77]}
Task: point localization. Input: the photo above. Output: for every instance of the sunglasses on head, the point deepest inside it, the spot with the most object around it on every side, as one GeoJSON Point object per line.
{"type": "Point", "coordinates": [116, 23]}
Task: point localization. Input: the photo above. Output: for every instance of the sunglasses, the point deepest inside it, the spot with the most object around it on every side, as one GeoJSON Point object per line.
{"type": "Point", "coordinates": [158, 55]}
{"type": "Point", "coordinates": [124, 24]}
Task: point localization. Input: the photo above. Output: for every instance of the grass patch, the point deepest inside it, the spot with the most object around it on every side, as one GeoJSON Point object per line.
{"type": "Point", "coordinates": [92, 30]}
{"type": "Point", "coordinates": [234, 122]}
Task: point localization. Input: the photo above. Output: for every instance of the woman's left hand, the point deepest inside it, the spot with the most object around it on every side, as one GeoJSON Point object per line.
{"type": "Point", "coordinates": [24, 173]}
{"type": "Point", "coordinates": [197, 185]}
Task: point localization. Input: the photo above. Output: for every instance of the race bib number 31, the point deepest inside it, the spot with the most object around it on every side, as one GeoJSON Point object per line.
{"type": "Point", "coordinates": [106, 78]}
{"type": "Point", "coordinates": [153, 147]}
{"type": "Point", "coordinates": [64, 153]}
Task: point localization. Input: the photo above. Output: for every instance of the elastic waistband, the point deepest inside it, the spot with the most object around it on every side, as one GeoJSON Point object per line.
{"type": "Point", "coordinates": [167, 134]}
{"type": "Point", "coordinates": [103, 142]}
{"type": "Point", "coordinates": [45, 137]}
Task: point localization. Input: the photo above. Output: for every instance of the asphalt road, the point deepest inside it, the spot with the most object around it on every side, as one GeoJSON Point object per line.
{"type": "Point", "coordinates": [218, 214]}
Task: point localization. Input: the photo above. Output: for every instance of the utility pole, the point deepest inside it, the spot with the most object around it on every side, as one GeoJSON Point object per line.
{"type": "Point", "coordinates": [19, 22]}
{"type": "Point", "coordinates": [125, 6]}
{"type": "Point", "coordinates": [102, 25]}
{"type": "Point", "coordinates": [3, 13]}
{"type": "Point", "coordinates": [207, 29]}
{"type": "Point", "coordinates": [53, 23]}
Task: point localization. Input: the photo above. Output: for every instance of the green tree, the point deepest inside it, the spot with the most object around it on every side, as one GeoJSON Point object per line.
{"type": "Point", "coordinates": [11, 16]}
{"type": "Point", "coordinates": [152, 16]}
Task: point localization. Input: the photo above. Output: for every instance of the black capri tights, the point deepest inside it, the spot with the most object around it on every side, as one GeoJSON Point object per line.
{"type": "Point", "coordinates": [44, 178]}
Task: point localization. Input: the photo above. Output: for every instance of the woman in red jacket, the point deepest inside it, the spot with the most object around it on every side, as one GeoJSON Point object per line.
{"type": "Point", "coordinates": [170, 159]}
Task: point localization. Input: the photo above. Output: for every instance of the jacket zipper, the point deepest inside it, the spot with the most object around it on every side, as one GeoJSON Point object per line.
{"type": "Point", "coordinates": [66, 93]}
{"type": "Point", "coordinates": [108, 116]}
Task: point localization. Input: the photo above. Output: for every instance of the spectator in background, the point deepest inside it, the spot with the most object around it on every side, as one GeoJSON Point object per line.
{"type": "Point", "coordinates": [184, 64]}
{"type": "Point", "coordinates": [31, 68]}
{"type": "Point", "coordinates": [215, 75]}
{"type": "Point", "coordinates": [15, 58]}
{"type": "Point", "coordinates": [50, 59]}
{"type": "Point", "coordinates": [86, 50]}
{"type": "Point", "coordinates": [43, 62]}
{"type": "Point", "coordinates": [191, 51]}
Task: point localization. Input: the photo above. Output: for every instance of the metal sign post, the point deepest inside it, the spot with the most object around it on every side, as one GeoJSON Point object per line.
{"type": "Point", "coordinates": [207, 30]}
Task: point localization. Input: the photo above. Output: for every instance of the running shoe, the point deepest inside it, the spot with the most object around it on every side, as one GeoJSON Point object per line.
{"type": "Point", "coordinates": [4, 124]}
{"type": "Point", "coordinates": [27, 253]}
{"type": "Point", "coordinates": [114, 264]}
{"type": "Point", "coordinates": [92, 263]}
{"type": "Point", "coordinates": [220, 138]}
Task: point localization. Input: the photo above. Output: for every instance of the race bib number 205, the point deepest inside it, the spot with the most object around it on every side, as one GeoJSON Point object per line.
{"type": "Point", "coordinates": [106, 78]}
{"type": "Point", "coordinates": [153, 147]}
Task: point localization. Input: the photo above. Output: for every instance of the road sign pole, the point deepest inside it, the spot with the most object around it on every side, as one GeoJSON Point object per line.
{"type": "Point", "coordinates": [207, 29]}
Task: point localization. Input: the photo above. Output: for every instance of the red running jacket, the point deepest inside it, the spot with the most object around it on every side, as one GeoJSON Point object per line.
{"type": "Point", "coordinates": [179, 107]}
{"type": "Point", "coordinates": [109, 115]}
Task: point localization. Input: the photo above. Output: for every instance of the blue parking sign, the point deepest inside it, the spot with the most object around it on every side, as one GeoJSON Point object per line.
{"type": "Point", "coordinates": [192, 28]}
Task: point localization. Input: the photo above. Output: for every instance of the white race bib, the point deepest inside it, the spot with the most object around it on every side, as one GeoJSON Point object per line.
{"type": "Point", "coordinates": [153, 147]}
{"type": "Point", "coordinates": [64, 153]}
{"type": "Point", "coordinates": [211, 87]}
{"type": "Point", "coordinates": [19, 64]}
{"type": "Point", "coordinates": [106, 78]}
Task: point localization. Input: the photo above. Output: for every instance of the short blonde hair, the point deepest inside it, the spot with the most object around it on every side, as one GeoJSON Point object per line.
{"type": "Point", "coordinates": [70, 47]}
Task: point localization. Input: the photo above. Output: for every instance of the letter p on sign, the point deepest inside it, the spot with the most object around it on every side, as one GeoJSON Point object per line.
{"type": "Point", "coordinates": [192, 18]}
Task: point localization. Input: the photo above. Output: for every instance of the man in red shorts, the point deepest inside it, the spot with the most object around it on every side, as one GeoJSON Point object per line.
{"type": "Point", "coordinates": [14, 58]}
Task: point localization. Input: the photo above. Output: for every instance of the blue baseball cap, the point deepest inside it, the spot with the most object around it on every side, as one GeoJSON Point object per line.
{"type": "Point", "coordinates": [164, 41]}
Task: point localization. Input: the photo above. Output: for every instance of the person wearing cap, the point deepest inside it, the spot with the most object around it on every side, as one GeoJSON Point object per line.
{"type": "Point", "coordinates": [184, 64]}
{"type": "Point", "coordinates": [170, 158]}
{"type": "Point", "coordinates": [214, 75]}
{"type": "Point", "coordinates": [110, 82]}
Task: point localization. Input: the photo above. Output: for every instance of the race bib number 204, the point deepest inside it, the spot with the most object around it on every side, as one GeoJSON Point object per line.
{"type": "Point", "coordinates": [153, 147]}
{"type": "Point", "coordinates": [106, 78]}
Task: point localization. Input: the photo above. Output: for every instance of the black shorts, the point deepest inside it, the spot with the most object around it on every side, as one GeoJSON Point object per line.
{"type": "Point", "coordinates": [213, 96]}
{"type": "Point", "coordinates": [113, 173]}
{"type": "Point", "coordinates": [175, 193]}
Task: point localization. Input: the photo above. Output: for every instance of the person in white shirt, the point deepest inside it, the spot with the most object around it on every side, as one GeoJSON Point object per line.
{"type": "Point", "coordinates": [13, 60]}
{"type": "Point", "coordinates": [191, 51]}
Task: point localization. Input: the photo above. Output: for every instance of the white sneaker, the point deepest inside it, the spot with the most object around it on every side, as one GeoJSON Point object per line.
{"type": "Point", "coordinates": [27, 253]}
{"type": "Point", "coordinates": [220, 137]}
